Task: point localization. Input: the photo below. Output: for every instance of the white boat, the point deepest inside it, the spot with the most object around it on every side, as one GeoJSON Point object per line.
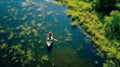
{"type": "Point", "coordinates": [49, 40]}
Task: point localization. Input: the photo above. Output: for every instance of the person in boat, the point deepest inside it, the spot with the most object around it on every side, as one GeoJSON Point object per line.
{"type": "Point", "coordinates": [50, 34]}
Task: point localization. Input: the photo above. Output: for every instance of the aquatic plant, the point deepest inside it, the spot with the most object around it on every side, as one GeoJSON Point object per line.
{"type": "Point", "coordinates": [35, 32]}
{"type": "Point", "coordinates": [45, 58]}
{"type": "Point", "coordinates": [24, 17]}
{"type": "Point", "coordinates": [96, 62]}
{"type": "Point", "coordinates": [40, 15]}
{"type": "Point", "coordinates": [3, 46]}
{"type": "Point", "coordinates": [40, 41]}
{"type": "Point", "coordinates": [50, 12]}
{"type": "Point", "coordinates": [25, 3]}
{"type": "Point", "coordinates": [39, 24]}
{"type": "Point", "coordinates": [11, 35]}
{"type": "Point", "coordinates": [16, 47]}
{"type": "Point", "coordinates": [68, 35]}
{"type": "Point", "coordinates": [2, 31]}
{"type": "Point", "coordinates": [22, 41]}
{"type": "Point", "coordinates": [30, 8]}
{"type": "Point", "coordinates": [40, 8]}
{"type": "Point", "coordinates": [4, 56]}
{"type": "Point", "coordinates": [29, 54]}
{"type": "Point", "coordinates": [112, 53]}
{"type": "Point", "coordinates": [74, 23]}
{"type": "Point", "coordinates": [33, 22]}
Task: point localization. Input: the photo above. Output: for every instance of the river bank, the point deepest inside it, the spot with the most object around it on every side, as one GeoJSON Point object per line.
{"type": "Point", "coordinates": [84, 14]}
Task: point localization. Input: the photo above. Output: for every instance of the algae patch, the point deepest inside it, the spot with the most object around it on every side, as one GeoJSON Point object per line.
{"type": "Point", "coordinates": [45, 58]}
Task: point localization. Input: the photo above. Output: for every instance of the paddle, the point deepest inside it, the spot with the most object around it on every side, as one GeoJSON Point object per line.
{"type": "Point", "coordinates": [55, 39]}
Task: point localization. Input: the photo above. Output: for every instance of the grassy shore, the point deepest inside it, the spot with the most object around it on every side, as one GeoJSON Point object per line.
{"type": "Point", "coordinates": [84, 14]}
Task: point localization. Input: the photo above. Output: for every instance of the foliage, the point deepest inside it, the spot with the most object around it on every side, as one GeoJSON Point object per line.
{"type": "Point", "coordinates": [104, 34]}
{"type": "Point", "coordinates": [109, 63]}
{"type": "Point", "coordinates": [106, 6]}
{"type": "Point", "coordinates": [112, 25]}
{"type": "Point", "coordinates": [117, 6]}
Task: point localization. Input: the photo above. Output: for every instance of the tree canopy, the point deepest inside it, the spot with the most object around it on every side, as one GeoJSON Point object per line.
{"type": "Point", "coordinates": [112, 25]}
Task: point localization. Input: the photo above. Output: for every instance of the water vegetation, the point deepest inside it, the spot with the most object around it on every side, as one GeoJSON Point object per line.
{"type": "Point", "coordinates": [68, 35]}
{"type": "Point", "coordinates": [24, 17]}
{"type": "Point", "coordinates": [104, 30]}
{"type": "Point", "coordinates": [3, 46]}
{"type": "Point", "coordinates": [19, 36]}
{"type": "Point", "coordinates": [19, 43]}
{"type": "Point", "coordinates": [25, 3]}
{"type": "Point", "coordinates": [45, 58]}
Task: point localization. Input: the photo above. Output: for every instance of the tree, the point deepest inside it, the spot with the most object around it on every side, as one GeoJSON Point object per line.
{"type": "Point", "coordinates": [106, 5]}
{"type": "Point", "coordinates": [112, 25]}
{"type": "Point", "coordinates": [118, 6]}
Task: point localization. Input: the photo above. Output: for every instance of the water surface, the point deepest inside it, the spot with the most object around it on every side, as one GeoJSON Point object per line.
{"type": "Point", "coordinates": [23, 28]}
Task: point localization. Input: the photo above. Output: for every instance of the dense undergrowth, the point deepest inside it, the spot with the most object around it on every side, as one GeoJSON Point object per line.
{"type": "Point", "coordinates": [101, 19]}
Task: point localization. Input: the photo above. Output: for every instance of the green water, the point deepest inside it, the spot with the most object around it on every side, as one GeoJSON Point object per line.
{"type": "Point", "coordinates": [23, 28]}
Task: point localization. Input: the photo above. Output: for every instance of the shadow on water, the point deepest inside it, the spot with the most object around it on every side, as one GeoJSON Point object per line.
{"type": "Point", "coordinates": [50, 47]}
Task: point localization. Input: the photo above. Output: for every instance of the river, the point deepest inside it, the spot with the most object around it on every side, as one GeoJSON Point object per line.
{"type": "Point", "coordinates": [24, 25]}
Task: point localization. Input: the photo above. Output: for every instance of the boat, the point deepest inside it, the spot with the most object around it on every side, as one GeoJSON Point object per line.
{"type": "Point", "coordinates": [49, 40]}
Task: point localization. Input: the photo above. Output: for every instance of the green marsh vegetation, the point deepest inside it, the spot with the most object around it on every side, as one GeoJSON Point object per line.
{"type": "Point", "coordinates": [101, 20]}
